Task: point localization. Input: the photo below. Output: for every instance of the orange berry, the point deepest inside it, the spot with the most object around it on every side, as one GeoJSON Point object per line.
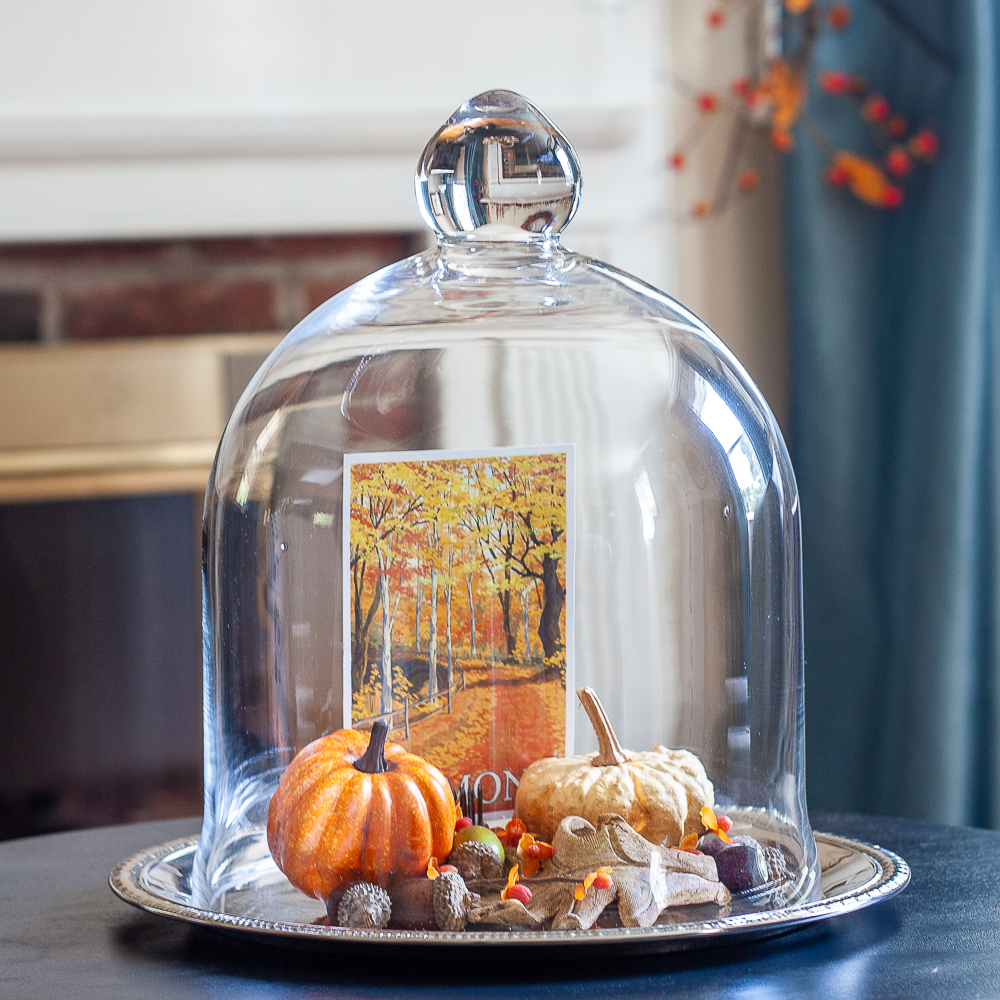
{"type": "Point", "coordinates": [898, 162]}
{"type": "Point", "coordinates": [749, 180]}
{"type": "Point", "coordinates": [515, 829]}
{"type": "Point", "coordinates": [716, 18]}
{"type": "Point", "coordinates": [839, 16]}
{"type": "Point", "coordinates": [893, 197]}
{"type": "Point", "coordinates": [707, 102]}
{"type": "Point", "coordinates": [678, 161]}
{"type": "Point", "coordinates": [539, 850]}
{"type": "Point", "coordinates": [700, 209]}
{"type": "Point", "coordinates": [876, 109]}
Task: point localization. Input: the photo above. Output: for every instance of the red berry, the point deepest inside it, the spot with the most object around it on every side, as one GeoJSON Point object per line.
{"type": "Point", "coordinates": [839, 16]}
{"type": "Point", "coordinates": [700, 209]}
{"type": "Point", "coordinates": [740, 86]}
{"type": "Point", "coordinates": [838, 176]}
{"type": "Point", "coordinates": [442, 869]}
{"type": "Point", "coordinates": [876, 109]}
{"type": "Point", "coordinates": [897, 126]}
{"type": "Point", "coordinates": [834, 81]}
{"type": "Point", "coordinates": [462, 822]}
{"type": "Point", "coordinates": [716, 18]}
{"type": "Point", "coordinates": [520, 892]}
{"type": "Point", "coordinates": [748, 180]}
{"type": "Point", "coordinates": [925, 144]}
{"type": "Point", "coordinates": [678, 161]}
{"type": "Point", "coordinates": [602, 880]}
{"type": "Point", "coordinates": [725, 823]}
{"type": "Point", "coordinates": [782, 141]}
{"type": "Point", "coordinates": [898, 162]}
{"type": "Point", "coordinates": [707, 102]}
{"type": "Point", "coordinates": [893, 197]}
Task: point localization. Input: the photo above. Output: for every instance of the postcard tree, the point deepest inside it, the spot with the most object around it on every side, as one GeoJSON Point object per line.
{"type": "Point", "coordinates": [383, 505]}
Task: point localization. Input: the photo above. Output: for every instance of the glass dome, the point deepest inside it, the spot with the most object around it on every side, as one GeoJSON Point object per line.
{"type": "Point", "coordinates": [469, 485]}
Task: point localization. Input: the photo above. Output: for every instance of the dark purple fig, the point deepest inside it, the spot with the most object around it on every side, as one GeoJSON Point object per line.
{"type": "Point", "coordinates": [742, 866]}
{"type": "Point", "coordinates": [711, 844]}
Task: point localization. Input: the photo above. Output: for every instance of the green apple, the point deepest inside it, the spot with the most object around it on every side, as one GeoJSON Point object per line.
{"type": "Point", "coordinates": [482, 834]}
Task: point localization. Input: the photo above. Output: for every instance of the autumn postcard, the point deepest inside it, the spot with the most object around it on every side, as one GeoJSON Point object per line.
{"type": "Point", "coordinates": [459, 576]}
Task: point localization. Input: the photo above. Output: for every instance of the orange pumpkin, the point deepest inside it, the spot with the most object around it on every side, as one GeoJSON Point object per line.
{"type": "Point", "coordinates": [344, 811]}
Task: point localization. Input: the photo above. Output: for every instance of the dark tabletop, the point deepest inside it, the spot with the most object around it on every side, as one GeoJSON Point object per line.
{"type": "Point", "coordinates": [64, 935]}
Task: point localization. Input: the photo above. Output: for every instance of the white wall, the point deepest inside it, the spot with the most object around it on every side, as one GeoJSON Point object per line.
{"type": "Point", "coordinates": [729, 267]}
{"type": "Point", "coordinates": [128, 118]}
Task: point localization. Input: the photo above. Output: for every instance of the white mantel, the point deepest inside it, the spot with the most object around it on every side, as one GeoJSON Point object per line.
{"type": "Point", "coordinates": [129, 118]}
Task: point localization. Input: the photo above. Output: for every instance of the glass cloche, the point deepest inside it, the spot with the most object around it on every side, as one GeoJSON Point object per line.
{"type": "Point", "coordinates": [502, 590]}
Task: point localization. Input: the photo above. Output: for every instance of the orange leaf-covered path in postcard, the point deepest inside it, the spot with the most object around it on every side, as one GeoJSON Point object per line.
{"type": "Point", "coordinates": [507, 717]}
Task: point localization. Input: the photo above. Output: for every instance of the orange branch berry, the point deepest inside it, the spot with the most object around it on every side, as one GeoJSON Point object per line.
{"type": "Point", "coordinates": [707, 103]}
{"type": "Point", "coordinates": [834, 81]}
{"type": "Point", "coordinates": [898, 162]}
{"type": "Point", "coordinates": [876, 109]}
{"type": "Point", "coordinates": [897, 126]}
{"type": "Point", "coordinates": [839, 16]}
{"type": "Point", "coordinates": [924, 144]}
{"type": "Point", "coordinates": [782, 141]}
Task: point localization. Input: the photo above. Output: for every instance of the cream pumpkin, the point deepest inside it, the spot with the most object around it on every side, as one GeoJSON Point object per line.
{"type": "Point", "coordinates": [659, 792]}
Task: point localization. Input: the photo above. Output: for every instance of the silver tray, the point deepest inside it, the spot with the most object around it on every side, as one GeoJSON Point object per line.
{"type": "Point", "coordinates": [854, 875]}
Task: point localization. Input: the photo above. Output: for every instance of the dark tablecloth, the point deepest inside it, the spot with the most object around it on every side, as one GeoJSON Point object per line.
{"type": "Point", "coordinates": [64, 935]}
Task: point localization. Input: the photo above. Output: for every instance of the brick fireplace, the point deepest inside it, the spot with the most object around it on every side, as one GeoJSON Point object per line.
{"type": "Point", "coordinates": [149, 288]}
{"type": "Point", "coordinates": [99, 622]}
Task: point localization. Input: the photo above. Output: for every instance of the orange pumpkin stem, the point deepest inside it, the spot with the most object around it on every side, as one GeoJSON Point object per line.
{"type": "Point", "coordinates": [373, 760]}
{"type": "Point", "coordinates": [611, 752]}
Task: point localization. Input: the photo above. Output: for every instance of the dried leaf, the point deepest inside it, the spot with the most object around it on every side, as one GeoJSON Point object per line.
{"type": "Point", "coordinates": [645, 879]}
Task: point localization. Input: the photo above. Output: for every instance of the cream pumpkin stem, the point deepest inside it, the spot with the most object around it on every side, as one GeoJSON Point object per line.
{"type": "Point", "coordinates": [373, 760]}
{"type": "Point", "coordinates": [611, 752]}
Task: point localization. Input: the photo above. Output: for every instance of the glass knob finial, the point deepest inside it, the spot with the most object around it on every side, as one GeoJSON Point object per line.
{"type": "Point", "coordinates": [500, 169]}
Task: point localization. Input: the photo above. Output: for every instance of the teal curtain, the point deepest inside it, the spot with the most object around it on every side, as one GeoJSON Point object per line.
{"type": "Point", "coordinates": [896, 426]}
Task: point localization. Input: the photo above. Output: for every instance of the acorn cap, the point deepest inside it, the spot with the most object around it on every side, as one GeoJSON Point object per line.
{"type": "Point", "coordinates": [474, 859]}
{"type": "Point", "coordinates": [452, 901]}
{"type": "Point", "coordinates": [364, 905]}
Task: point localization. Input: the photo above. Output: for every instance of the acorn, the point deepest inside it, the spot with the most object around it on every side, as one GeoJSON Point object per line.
{"type": "Point", "coordinates": [452, 901]}
{"type": "Point", "coordinates": [364, 905]}
{"type": "Point", "coordinates": [413, 903]}
{"type": "Point", "coordinates": [423, 904]}
{"type": "Point", "coordinates": [476, 859]}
